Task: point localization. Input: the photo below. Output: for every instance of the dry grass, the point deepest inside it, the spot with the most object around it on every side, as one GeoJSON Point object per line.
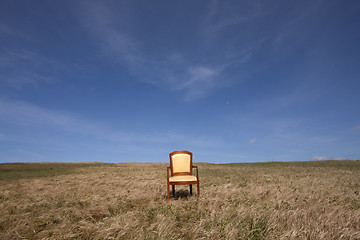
{"type": "Point", "coordinates": [312, 200]}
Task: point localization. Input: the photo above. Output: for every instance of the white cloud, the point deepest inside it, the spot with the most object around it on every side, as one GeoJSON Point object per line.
{"type": "Point", "coordinates": [252, 141]}
{"type": "Point", "coordinates": [2, 137]}
{"type": "Point", "coordinates": [323, 158]}
{"type": "Point", "coordinates": [200, 81]}
{"type": "Point", "coordinates": [172, 70]}
{"type": "Point", "coordinates": [199, 75]}
{"type": "Point", "coordinates": [357, 127]}
{"type": "Point", "coordinates": [318, 158]}
{"type": "Point", "coordinates": [107, 27]}
{"type": "Point", "coordinates": [23, 113]}
{"type": "Point", "coordinates": [221, 17]}
{"type": "Point", "coordinates": [29, 115]}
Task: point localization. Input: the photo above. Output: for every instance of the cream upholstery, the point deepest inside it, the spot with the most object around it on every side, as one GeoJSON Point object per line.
{"type": "Point", "coordinates": [181, 163]}
{"type": "Point", "coordinates": [183, 178]}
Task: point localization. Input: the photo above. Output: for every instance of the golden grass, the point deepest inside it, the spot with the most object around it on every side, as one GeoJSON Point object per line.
{"type": "Point", "coordinates": [312, 200]}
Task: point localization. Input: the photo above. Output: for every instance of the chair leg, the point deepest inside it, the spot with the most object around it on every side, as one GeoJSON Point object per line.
{"type": "Point", "coordinates": [168, 192]}
{"type": "Point", "coordinates": [173, 190]}
{"type": "Point", "coordinates": [190, 189]}
{"type": "Point", "coordinates": [198, 188]}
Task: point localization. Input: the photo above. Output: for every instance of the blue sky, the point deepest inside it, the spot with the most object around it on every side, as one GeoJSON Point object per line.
{"type": "Point", "coordinates": [231, 81]}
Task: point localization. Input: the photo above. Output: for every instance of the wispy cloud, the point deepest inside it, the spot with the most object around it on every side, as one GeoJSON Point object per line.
{"type": "Point", "coordinates": [170, 69]}
{"type": "Point", "coordinates": [357, 127]}
{"type": "Point", "coordinates": [318, 158]}
{"type": "Point", "coordinates": [22, 68]}
{"type": "Point", "coordinates": [108, 29]}
{"type": "Point", "coordinates": [23, 113]}
{"type": "Point", "coordinates": [220, 17]}
{"type": "Point", "coordinates": [200, 81]}
{"type": "Point", "coordinates": [30, 115]}
{"type": "Point", "coordinates": [252, 141]}
{"type": "Point", "coordinates": [33, 155]}
{"type": "Point", "coordinates": [7, 30]}
{"type": "Point", "coordinates": [323, 158]}
{"type": "Point", "coordinates": [198, 75]}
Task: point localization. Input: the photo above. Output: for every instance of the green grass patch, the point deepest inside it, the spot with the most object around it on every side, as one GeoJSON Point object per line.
{"type": "Point", "coordinates": [14, 171]}
{"type": "Point", "coordinates": [329, 163]}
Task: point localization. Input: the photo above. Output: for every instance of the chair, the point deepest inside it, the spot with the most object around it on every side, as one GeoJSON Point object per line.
{"type": "Point", "coordinates": [181, 172]}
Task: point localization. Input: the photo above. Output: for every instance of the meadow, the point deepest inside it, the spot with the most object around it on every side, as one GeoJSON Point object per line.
{"type": "Point", "coordinates": [293, 200]}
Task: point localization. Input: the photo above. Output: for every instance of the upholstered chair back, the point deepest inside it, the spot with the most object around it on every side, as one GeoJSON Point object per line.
{"type": "Point", "coordinates": [181, 163]}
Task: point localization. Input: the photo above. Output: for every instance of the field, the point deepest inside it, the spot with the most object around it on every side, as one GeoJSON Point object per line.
{"type": "Point", "coordinates": [298, 200]}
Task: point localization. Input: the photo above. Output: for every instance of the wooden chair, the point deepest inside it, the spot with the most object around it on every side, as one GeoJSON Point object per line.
{"type": "Point", "coordinates": [181, 172]}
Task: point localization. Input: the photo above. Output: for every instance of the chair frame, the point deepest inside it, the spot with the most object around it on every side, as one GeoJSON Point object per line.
{"type": "Point", "coordinates": [182, 173]}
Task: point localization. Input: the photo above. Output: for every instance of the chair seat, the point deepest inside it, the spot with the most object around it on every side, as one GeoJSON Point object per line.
{"type": "Point", "coordinates": [185, 178]}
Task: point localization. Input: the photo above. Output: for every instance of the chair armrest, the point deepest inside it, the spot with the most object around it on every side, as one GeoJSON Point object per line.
{"type": "Point", "coordinates": [197, 171]}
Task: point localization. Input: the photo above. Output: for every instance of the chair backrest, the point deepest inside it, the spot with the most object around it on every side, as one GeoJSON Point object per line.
{"type": "Point", "coordinates": [181, 163]}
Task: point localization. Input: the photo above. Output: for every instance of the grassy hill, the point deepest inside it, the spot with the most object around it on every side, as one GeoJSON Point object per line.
{"type": "Point", "coordinates": [293, 200]}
